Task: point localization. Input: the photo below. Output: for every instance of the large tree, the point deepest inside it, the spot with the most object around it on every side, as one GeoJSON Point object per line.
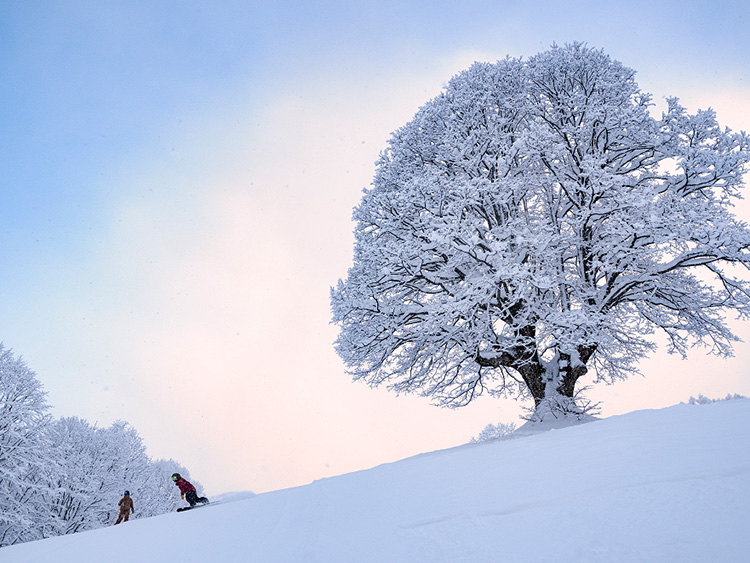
{"type": "Point", "coordinates": [534, 222]}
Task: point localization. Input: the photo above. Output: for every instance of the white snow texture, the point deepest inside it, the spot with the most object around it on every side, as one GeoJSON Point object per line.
{"type": "Point", "coordinates": [665, 485]}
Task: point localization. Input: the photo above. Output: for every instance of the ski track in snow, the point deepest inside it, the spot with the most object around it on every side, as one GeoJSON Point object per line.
{"type": "Point", "coordinates": [567, 500]}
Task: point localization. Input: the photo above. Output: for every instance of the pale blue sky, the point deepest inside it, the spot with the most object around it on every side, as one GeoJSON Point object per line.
{"type": "Point", "coordinates": [176, 186]}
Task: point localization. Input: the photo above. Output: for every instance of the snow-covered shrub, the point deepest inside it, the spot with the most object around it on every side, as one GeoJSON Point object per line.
{"type": "Point", "coordinates": [703, 400]}
{"type": "Point", "coordinates": [493, 431]}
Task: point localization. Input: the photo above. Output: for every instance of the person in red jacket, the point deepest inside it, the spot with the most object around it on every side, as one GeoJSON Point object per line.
{"type": "Point", "coordinates": [187, 491]}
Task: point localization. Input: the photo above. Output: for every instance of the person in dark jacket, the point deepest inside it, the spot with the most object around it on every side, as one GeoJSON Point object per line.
{"type": "Point", "coordinates": [126, 506]}
{"type": "Point", "coordinates": [187, 491]}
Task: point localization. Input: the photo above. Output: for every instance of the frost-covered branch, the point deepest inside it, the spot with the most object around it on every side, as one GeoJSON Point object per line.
{"type": "Point", "coordinates": [533, 223]}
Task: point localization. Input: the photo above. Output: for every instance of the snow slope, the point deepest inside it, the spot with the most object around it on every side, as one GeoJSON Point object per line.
{"type": "Point", "coordinates": [671, 485]}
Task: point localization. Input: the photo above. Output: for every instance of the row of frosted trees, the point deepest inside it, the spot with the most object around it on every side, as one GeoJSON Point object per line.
{"type": "Point", "coordinates": [61, 476]}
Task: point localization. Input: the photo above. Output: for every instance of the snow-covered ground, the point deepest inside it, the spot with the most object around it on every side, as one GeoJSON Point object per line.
{"type": "Point", "coordinates": [669, 485]}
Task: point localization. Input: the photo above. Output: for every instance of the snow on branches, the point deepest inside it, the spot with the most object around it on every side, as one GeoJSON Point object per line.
{"type": "Point", "coordinates": [23, 421]}
{"type": "Point", "coordinates": [533, 222]}
{"type": "Point", "coordinates": [63, 476]}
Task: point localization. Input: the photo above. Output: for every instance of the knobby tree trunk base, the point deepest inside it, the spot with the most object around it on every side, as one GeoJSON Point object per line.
{"type": "Point", "coordinates": [559, 410]}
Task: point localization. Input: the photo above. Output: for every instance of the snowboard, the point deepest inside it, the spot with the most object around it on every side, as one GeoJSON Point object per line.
{"type": "Point", "coordinates": [184, 508]}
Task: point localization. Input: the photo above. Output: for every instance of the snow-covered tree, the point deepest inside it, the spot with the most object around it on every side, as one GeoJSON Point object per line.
{"type": "Point", "coordinates": [88, 477]}
{"type": "Point", "coordinates": [495, 431]}
{"type": "Point", "coordinates": [95, 466]}
{"type": "Point", "coordinates": [155, 491]}
{"type": "Point", "coordinates": [534, 222]}
{"type": "Point", "coordinates": [65, 476]}
{"type": "Point", "coordinates": [23, 419]}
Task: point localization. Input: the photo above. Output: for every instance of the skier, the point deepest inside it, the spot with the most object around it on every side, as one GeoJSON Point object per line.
{"type": "Point", "coordinates": [187, 491]}
{"type": "Point", "coordinates": [126, 505]}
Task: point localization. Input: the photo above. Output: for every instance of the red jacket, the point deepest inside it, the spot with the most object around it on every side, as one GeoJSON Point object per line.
{"type": "Point", "coordinates": [184, 485]}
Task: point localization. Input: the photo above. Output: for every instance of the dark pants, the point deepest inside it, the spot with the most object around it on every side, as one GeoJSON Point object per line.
{"type": "Point", "coordinates": [192, 497]}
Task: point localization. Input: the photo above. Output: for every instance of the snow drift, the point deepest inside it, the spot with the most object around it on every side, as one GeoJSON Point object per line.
{"type": "Point", "coordinates": [668, 485]}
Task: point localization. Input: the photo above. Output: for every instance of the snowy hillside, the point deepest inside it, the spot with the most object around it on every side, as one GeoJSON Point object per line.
{"type": "Point", "coordinates": [666, 486]}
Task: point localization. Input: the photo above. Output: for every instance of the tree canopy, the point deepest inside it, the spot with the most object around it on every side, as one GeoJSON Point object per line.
{"type": "Point", "coordinates": [534, 222]}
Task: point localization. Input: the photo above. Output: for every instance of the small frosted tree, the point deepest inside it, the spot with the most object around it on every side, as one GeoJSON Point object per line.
{"type": "Point", "coordinates": [24, 499]}
{"type": "Point", "coordinates": [534, 223]}
{"type": "Point", "coordinates": [93, 466]}
{"type": "Point", "coordinates": [87, 478]}
{"type": "Point", "coordinates": [64, 476]}
{"type": "Point", "coordinates": [155, 491]}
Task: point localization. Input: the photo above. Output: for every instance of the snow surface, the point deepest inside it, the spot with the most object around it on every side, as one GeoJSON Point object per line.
{"type": "Point", "coordinates": [669, 485]}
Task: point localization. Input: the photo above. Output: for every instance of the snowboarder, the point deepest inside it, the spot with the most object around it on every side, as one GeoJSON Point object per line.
{"type": "Point", "coordinates": [187, 491]}
{"type": "Point", "coordinates": [126, 505]}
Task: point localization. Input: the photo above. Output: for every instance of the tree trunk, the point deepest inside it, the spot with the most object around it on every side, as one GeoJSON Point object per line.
{"type": "Point", "coordinates": [571, 370]}
{"type": "Point", "coordinates": [563, 377]}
